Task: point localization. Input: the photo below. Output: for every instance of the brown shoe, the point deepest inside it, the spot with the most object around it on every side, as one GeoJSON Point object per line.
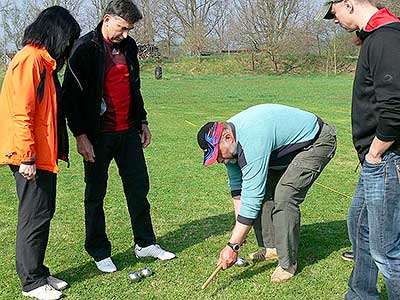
{"type": "Point", "coordinates": [281, 275]}
{"type": "Point", "coordinates": [264, 254]}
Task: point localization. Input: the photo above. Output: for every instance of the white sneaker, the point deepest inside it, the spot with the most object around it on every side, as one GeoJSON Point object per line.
{"type": "Point", "coordinates": [106, 265]}
{"type": "Point", "coordinates": [57, 283]}
{"type": "Point", "coordinates": [153, 251]}
{"type": "Point", "coordinates": [44, 292]}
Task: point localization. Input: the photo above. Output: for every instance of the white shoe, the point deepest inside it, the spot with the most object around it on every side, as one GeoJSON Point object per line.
{"type": "Point", "coordinates": [153, 251]}
{"type": "Point", "coordinates": [44, 292]}
{"type": "Point", "coordinates": [56, 283]}
{"type": "Point", "coordinates": [106, 265]}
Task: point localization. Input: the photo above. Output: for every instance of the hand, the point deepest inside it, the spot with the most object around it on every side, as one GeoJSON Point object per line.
{"type": "Point", "coordinates": [373, 159]}
{"type": "Point", "coordinates": [145, 136]}
{"type": "Point", "coordinates": [27, 171]}
{"type": "Point", "coordinates": [85, 148]}
{"type": "Point", "coordinates": [227, 257]}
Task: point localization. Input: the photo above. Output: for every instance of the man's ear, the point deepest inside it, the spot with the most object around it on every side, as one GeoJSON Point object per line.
{"type": "Point", "coordinates": [349, 5]}
{"type": "Point", "coordinates": [229, 137]}
{"type": "Point", "coordinates": [106, 19]}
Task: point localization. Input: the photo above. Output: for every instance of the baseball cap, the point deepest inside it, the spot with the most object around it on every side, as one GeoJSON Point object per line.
{"type": "Point", "coordinates": [208, 138]}
{"type": "Point", "coordinates": [326, 10]}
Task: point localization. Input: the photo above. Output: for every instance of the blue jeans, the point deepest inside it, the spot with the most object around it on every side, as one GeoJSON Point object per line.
{"type": "Point", "coordinates": [374, 230]}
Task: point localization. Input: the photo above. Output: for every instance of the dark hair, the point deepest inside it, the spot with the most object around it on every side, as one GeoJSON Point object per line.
{"type": "Point", "coordinates": [54, 29]}
{"type": "Point", "coordinates": [125, 9]}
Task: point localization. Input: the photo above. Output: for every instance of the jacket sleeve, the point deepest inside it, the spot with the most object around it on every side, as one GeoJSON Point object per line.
{"type": "Point", "coordinates": [234, 179]}
{"type": "Point", "coordinates": [385, 65]}
{"type": "Point", "coordinates": [25, 79]}
{"type": "Point", "coordinates": [72, 95]}
{"type": "Point", "coordinates": [136, 80]}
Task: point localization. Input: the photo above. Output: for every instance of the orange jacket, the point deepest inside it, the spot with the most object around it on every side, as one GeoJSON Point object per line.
{"type": "Point", "coordinates": [28, 111]}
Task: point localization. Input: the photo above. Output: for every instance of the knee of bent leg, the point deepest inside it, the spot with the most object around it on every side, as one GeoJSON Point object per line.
{"type": "Point", "coordinates": [287, 198]}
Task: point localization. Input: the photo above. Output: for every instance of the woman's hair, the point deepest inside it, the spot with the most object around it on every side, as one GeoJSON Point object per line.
{"type": "Point", "coordinates": [54, 29]}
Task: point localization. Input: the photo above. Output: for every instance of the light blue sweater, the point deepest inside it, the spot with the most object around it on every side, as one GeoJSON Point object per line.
{"type": "Point", "coordinates": [264, 134]}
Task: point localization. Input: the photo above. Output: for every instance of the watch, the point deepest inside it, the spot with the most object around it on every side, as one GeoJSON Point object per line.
{"type": "Point", "coordinates": [234, 246]}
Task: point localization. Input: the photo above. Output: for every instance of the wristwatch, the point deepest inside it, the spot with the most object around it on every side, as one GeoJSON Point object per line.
{"type": "Point", "coordinates": [234, 246]}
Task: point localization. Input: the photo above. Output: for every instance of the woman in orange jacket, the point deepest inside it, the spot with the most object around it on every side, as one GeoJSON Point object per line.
{"type": "Point", "coordinates": [34, 137]}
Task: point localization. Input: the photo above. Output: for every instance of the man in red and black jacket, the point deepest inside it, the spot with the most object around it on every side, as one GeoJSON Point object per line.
{"type": "Point", "coordinates": [374, 215]}
{"type": "Point", "coordinates": [105, 112]}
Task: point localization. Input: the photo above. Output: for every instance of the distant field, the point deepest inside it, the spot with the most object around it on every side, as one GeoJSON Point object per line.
{"type": "Point", "coordinates": [191, 206]}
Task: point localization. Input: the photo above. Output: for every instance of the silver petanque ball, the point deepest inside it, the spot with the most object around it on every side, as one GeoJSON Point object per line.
{"type": "Point", "coordinates": [146, 272]}
{"type": "Point", "coordinates": [134, 276]}
{"type": "Point", "coordinates": [241, 262]}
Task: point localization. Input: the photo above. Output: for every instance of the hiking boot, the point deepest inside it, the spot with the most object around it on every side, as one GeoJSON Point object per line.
{"type": "Point", "coordinates": [57, 283]}
{"type": "Point", "coordinates": [264, 254]}
{"type": "Point", "coordinates": [348, 255]}
{"type": "Point", "coordinates": [154, 251]}
{"type": "Point", "coordinates": [281, 275]}
{"type": "Point", "coordinates": [44, 292]}
{"type": "Point", "coordinates": [106, 265]}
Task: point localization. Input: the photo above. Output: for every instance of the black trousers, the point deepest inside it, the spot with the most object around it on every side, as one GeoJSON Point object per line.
{"type": "Point", "coordinates": [37, 202]}
{"type": "Point", "coordinates": [126, 149]}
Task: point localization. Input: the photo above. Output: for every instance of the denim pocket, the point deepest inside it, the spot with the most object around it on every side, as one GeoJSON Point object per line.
{"type": "Point", "coordinates": [397, 165]}
{"type": "Point", "coordinates": [374, 170]}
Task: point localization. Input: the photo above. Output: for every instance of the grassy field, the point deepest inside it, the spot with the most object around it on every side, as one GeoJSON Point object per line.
{"type": "Point", "coordinates": [191, 206]}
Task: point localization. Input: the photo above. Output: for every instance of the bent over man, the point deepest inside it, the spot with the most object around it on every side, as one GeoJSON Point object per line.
{"type": "Point", "coordinates": [267, 140]}
{"type": "Point", "coordinates": [106, 114]}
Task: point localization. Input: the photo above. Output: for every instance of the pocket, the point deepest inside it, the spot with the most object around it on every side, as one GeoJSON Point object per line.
{"type": "Point", "coordinates": [373, 165]}
{"type": "Point", "coordinates": [397, 165]}
{"type": "Point", "coordinates": [374, 170]}
{"type": "Point", "coordinates": [299, 178]}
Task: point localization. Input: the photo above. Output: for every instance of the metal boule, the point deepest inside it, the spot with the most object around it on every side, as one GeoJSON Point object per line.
{"type": "Point", "coordinates": [134, 276]}
{"type": "Point", "coordinates": [241, 262]}
{"type": "Point", "coordinates": [145, 272]}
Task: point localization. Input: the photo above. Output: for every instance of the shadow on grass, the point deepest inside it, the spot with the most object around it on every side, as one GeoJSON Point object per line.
{"type": "Point", "coordinates": [318, 241]}
{"type": "Point", "coordinates": [123, 260]}
{"type": "Point", "coordinates": [187, 235]}
{"type": "Point", "coordinates": [197, 231]}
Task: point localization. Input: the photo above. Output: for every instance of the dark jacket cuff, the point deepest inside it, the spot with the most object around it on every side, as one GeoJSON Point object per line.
{"type": "Point", "coordinates": [245, 221]}
{"type": "Point", "coordinates": [236, 193]}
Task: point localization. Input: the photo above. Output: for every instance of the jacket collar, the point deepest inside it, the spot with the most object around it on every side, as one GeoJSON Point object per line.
{"type": "Point", "coordinates": [383, 17]}
{"type": "Point", "coordinates": [99, 39]}
{"type": "Point", "coordinates": [50, 61]}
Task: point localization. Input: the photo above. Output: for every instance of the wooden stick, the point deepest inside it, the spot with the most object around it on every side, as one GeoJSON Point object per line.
{"type": "Point", "coordinates": [219, 267]}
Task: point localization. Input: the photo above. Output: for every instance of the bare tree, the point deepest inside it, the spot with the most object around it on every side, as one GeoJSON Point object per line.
{"type": "Point", "coordinates": [15, 18]}
{"type": "Point", "coordinates": [91, 14]}
{"type": "Point", "coordinates": [224, 30]}
{"type": "Point", "coordinates": [166, 26]}
{"type": "Point", "coordinates": [144, 31]}
{"type": "Point", "coordinates": [17, 15]}
{"type": "Point", "coordinates": [267, 24]}
{"type": "Point", "coordinates": [195, 20]}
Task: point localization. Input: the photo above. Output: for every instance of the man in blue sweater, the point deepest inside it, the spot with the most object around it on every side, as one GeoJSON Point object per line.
{"type": "Point", "coordinates": [374, 216]}
{"type": "Point", "coordinates": [268, 140]}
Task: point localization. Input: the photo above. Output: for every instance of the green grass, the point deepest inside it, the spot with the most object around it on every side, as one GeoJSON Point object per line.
{"type": "Point", "coordinates": [191, 207]}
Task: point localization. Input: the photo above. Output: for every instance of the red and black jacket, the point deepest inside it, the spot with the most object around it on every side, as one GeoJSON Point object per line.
{"type": "Point", "coordinates": [82, 89]}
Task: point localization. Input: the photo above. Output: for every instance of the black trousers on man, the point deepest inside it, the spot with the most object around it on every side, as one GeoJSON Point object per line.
{"type": "Point", "coordinates": [125, 148]}
{"type": "Point", "coordinates": [37, 202]}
